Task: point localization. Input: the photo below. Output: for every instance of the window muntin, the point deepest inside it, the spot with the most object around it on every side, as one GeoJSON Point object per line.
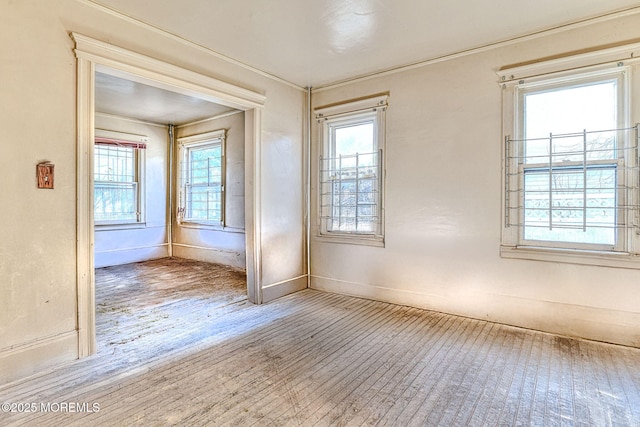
{"type": "Point", "coordinates": [568, 179]}
{"type": "Point", "coordinates": [202, 179]}
{"type": "Point", "coordinates": [115, 184]}
{"type": "Point", "coordinates": [351, 176]}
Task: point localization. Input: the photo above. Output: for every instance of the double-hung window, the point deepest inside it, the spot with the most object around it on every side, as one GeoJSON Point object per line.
{"type": "Point", "coordinates": [202, 179]}
{"type": "Point", "coordinates": [571, 164]}
{"type": "Point", "coordinates": [351, 169]}
{"type": "Point", "coordinates": [117, 179]}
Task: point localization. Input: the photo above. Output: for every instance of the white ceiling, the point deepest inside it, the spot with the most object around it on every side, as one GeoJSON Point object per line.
{"type": "Point", "coordinates": [127, 98]}
{"type": "Point", "coordinates": [315, 43]}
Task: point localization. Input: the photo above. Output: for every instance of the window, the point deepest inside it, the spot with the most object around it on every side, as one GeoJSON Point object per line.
{"type": "Point", "coordinates": [351, 169]}
{"type": "Point", "coordinates": [571, 163]}
{"type": "Point", "coordinates": [202, 179]}
{"type": "Point", "coordinates": [117, 180]}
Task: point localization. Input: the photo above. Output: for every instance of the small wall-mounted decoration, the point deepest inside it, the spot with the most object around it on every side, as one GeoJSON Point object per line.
{"type": "Point", "coordinates": [44, 172]}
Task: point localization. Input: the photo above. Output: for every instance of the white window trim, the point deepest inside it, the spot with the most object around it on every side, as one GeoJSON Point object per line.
{"type": "Point", "coordinates": [594, 63]}
{"type": "Point", "coordinates": [139, 164]}
{"type": "Point", "coordinates": [194, 141]}
{"type": "Point", "coordinates": [365, 107]}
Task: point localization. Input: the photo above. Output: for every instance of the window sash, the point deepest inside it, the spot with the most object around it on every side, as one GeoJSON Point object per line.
{"type": "Point", "coordinates": [202, 180]}
{"type": "Point", "coordinates": [565, 202]}
{"type": "Point", "coordinates": [352, 195]}
{"type": "Point", "coordinates": [114, 164]}
{"type": "Point", "coordinates": [115, 202]}
{"type": "Point", "coordinates": [350, 188]}
{"type": "Point", "coordinates": [116, 185]}
{"type": "Point", "coordinates": [615, 155]}
{"type": "Point", "coordinates": [207, 208]}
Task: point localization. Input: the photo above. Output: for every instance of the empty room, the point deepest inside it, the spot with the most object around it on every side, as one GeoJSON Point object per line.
{"type": "Point", "coordinates": [320, 213]}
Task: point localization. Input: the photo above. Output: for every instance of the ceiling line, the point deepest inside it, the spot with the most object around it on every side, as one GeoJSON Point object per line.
{"type": "Point", "coordinates": [175, 37]}
{"type": "Point", "coordinates": [503, 43]}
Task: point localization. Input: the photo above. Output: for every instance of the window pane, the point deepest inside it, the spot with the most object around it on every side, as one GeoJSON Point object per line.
{"type": "Point", "coordinates": [113, 163]}
{"type": "Point", "coordinates": [350, 187]}
{"type": "Point", "coordinates": [205, 165]}
{"type": "Point", "coordinates": [115, 202]}
{"type": "Point", "coordinates": [354, 139]}
{"type": "Point", "coordinates": [572, 207]}
{"type": "Point", "coordinates": [570, 110]}
{"type": "Point", "coordinates": [204, 203]}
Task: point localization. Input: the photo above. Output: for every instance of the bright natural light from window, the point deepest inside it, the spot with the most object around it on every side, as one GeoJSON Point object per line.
{"type": "Point", "coordinates": [354, 190]}
{"type": "Point", "coordinates": [115, 185]}
{"type": "Point", "coordinates": [350, 140]}
{"type": "Point", "coordinates": [204, 186]}
{"type": "Point", "coordinates": [570, 110]}
{"type": "Point", "coordinates": [351, 177]}
{"type": "Point", "coordinates": [570, 166]}
{"type": "Point", "coordinates": [352, 136]}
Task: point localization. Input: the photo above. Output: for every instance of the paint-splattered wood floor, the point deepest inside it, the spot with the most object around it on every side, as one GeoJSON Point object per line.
{"type": "Point", "coordinates": [316, 358]}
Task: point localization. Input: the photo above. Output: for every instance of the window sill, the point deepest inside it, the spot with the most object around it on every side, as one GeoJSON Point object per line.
{"type": "Point", "coordinates": [121, 226]}
{"type": "Point", "coordinates": [211, 227]}
{"type": "Point", "coordinates": [351, 239]}
{"type": "Point", "coordinates": [581, 257]}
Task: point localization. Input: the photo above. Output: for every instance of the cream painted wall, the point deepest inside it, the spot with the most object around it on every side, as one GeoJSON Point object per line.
{"type": "Point", "coordinates": [443, 198]}
{"type": "Point", "coordinates": [148, 240]}
{"type": "Point", "coordinates": [224, 246]}
{"type": "Point", "coordinates": [38, 308]}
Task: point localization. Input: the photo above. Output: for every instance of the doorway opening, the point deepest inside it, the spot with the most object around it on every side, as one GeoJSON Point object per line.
{"type": "Point", "coordinates": [96, 58]}
{"type": "Point", "coordinates": [139, 191]}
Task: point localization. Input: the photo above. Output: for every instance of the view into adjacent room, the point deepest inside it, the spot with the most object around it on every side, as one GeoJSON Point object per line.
{"type": "Point", "coordinates": [169, 216]}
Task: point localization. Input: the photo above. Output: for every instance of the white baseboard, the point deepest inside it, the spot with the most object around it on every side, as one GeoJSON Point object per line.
{"type": "Point", "coordinates": [27, 359]}
{"type": "Point", "coordinates": [129, 255]}
{"type": "Point", "coordinates": [277, 290]}
{"type": "Point", "coordinates": [231, 258]}
{"type": "Point", "coordinates": [592, 323]}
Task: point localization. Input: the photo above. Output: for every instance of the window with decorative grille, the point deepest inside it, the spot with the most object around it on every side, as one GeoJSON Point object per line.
{"type": "Point", "coordinates": [202, 179]}
{"type": "Point", "coordinates": [116, 181]}
{"type": "Point", "coordinates": [351, 169]}
{"type": "Point", "coordinates": [571, 163]}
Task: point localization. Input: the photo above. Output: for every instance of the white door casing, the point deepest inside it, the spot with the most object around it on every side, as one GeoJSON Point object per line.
{"type": "Point", "coordinates": [95, 55]}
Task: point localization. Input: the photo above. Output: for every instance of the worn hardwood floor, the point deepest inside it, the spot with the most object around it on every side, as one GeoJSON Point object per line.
{"type": "Point", "coordinates": [315, 358]}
